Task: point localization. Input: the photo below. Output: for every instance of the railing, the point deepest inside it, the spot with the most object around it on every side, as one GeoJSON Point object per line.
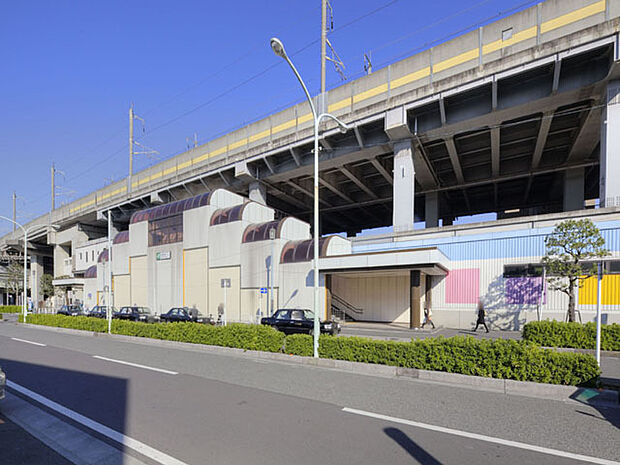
{"type": "Point", "coordinates": [343, 309]}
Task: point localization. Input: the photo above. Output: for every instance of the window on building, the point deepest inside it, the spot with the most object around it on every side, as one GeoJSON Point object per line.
{"type": "Point", "coordinates": [521, 271]}
{"type": "Point", "coordinates": [92, 255]}
{"type": "Point", "coordinates": [80, 256]}
{"type": "Point", "coordinates": [166, 230]}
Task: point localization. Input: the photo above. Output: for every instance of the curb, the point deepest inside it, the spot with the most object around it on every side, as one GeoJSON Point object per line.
{"type": "Point", "coordinates": [603, 397]}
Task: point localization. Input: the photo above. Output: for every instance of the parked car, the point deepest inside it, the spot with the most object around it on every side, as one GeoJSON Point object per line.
{"type": "Point", "coordinates": [177, 314]}
{"type": "Point", "coordinates": [100, 311]}
{"type": "Point", "coordinates": [136, 314]}
{"type": "Point", "coordinates": [294, 320]}
{"type": "Point", "coordinates": [2, 383]}
{"type": "Point", "coordinates": [70, 310]}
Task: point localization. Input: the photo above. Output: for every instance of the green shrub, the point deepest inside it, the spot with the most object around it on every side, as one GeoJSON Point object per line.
{"type": "Point", "coordinates": [575, 335]}
{"type": "Point", "coordinates": [241, 336]}
{"type": "Point", "coordinates": [10, 309]}
{"type": "Point", "coordinates": [504, 359]}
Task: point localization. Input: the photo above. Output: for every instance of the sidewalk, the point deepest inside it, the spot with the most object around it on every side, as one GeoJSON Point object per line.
{"type": "Point", "coordinates": [19, 447]}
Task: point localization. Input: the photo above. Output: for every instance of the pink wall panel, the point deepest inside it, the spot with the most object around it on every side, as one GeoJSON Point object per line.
{"type": "Point", "coordinates": [463, 286]}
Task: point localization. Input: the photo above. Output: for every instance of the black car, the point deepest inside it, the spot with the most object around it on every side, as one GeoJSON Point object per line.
{"type": "Point", "coordinates": [70, 310]}
{"type": "Point", "coordinates": [136, 314]}
{"type": "Point", "coordinates": [100, 311]}
{"type": "Point", "coordinates": [178, 314]}
{"type": "Point", "coordinates": [292, 321]}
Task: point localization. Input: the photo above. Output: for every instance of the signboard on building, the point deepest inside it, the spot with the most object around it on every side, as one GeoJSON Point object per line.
{"type": "Point", "coordinates": [163, 255]}
{"type": "Point", "coordinates": [263, 290]}
{"type": "Point", "coordinates": [225, 282]}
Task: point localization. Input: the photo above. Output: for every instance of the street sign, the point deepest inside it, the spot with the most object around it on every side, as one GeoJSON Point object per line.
{"type": "Point", "coordinates": [163, 255]}
{"type": "Point", "coordinates": [225, 282]}
{"type": "Point", "coordinates": [263, 290]}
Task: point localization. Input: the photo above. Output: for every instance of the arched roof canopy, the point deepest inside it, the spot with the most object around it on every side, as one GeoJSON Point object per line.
{"type": "Point", "coordinates": [170, 209]}
{"type": "Point", "coordinates": [91, 272]}
{"type": "Point", "coordinates": [121, 237]}
{"type": "Point", "coordinates": [228, 215]}
{"type": "Point", "coordinates": [103, 256]}
{"type": "Point", "coordinates": [303, 251]}
{"type": "Point", "coordinates": [260, 231]}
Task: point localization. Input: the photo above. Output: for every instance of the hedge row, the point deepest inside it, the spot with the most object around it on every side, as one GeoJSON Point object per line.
{"type": "Point", "coordinates": [575, 335]}
{"type": "Point", "coordinates": [504, 359]}
{"type": "Point", "coordinates": [10, 309]}
{"type": "Point", "coordinates": [241, 336]}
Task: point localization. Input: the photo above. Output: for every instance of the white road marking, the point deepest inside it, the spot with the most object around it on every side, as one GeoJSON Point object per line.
{"type": "Point", "coordinates": [137, 365]}
{"type": "Point", "coordinates": [482, 437]}
{"type": "Point", "coordinates": [29, 342]}
{"type": "Point", "coordinates": [126, 441]}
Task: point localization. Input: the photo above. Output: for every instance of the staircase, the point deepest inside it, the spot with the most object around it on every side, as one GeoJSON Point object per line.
{"type": "Point", "coordinates": [344, 310]}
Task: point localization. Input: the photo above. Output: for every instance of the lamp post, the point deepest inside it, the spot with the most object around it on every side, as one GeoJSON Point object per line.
{"type": "Point", "coordinates": [25, 230]}
{"type": "Point", "coordinates": [278, 49]}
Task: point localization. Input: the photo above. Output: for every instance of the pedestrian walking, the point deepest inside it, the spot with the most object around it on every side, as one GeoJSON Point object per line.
{"type": "Point", "coordinates": [427, 317]}
{"type": "Point", "coordinates": [481, 315]}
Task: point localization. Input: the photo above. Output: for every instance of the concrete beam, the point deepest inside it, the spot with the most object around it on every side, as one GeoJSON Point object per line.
{"type": "Point", "coordinates": [269, 165]}
{"type": "Point", "coordinates": [295, 156]}
{"type": "Point", "coordinates": [332, 187]}
{"type": "Point", "coordinates": [588, 137]}
{"type": "Point", "coordinates": [556, 75]}
{"type": "Point", "coordinates": [287, 197]}
{"type": "Point", "coordinates": [348, 171]}
{"type": "Point", "coordinates": [454, 159]}
{"type": "Point", "coordinates": [423, 170]}
{"type": "Point", "coordinates": [358, 136]}
{"type": "Point", "coordinates": [258, 192]}
{"type": "Point", "coordinates": [396, 125]}
{"type": "Point", "coordinates": [307, 192]}
{"type": "Point", "coordinates": [541, 140]}
{"type": "Point", "coordinates": [379, 167]}
{"type": "Point", "coordinates": [495, 145]}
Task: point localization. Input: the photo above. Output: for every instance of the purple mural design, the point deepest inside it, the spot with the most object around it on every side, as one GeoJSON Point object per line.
{"type": "Point", "coordinates": [524, 291]}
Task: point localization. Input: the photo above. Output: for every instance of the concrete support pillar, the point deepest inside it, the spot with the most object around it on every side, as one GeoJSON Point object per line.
{"type": "Point", "coordinates": [610, 148]}
{"type": "Point", "coordinates": [258, 193]}
{"type": "Point", "coordinates": [404, 187]}
{"type": "Point", "coordinates": [36, 271]}
{"type": "Point", "coordinates": [574, 189]}
{"type": "Point", "coordinates": [415, 314]}
{"type": "Point", "coordinates": [431, 209]}
{"type": "Point", "coordinates": [61, 252]}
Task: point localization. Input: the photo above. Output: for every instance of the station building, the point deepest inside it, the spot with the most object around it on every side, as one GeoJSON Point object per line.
{"type": "Point", "coordinates": [215, 252]}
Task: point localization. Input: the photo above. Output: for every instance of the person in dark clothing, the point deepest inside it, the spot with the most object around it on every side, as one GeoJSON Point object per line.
{"type": "Point", "coordinates": [481, 314]}
{"type": "Point", "coordinates": [427, 317]}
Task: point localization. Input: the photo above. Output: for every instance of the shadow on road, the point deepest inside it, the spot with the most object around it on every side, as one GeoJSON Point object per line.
{"type": "Point", "coordinates": [417, 452]}
{"type": "Point", "coordinates": [609, 412]}
{"type": "Point", "coordinates": [97, 397]}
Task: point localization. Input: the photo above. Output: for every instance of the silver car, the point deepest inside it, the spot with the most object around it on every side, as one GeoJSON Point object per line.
{"type": "Point", "coordinates": [2, 383]}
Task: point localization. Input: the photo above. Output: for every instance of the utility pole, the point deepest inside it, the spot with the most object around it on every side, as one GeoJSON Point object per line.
{"type": "Point", "coordinates": [130, 148]}
{"type": "Point", "coordinates": [53, 187]}
{"type": "Point", "coordinates": [14, 211]}
{"type": "Point", "coordinates": [323, 42]}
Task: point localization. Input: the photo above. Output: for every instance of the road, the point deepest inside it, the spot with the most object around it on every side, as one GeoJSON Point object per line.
{"type": "Point", "coordinates": [201, 407]}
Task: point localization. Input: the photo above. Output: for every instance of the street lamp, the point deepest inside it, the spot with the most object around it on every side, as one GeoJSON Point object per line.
{"type": "Point", "coordinates": [278, 49]}
{"type": "Point", "coordinates": [25, 230]}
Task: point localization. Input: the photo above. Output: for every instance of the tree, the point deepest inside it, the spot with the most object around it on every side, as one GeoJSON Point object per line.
{"type": "Point", "coordinates": [15, 278]}
{"type": "Point", "coordinates": [572, 243]}
{"type": "Point", "coordinates": [47, 289]}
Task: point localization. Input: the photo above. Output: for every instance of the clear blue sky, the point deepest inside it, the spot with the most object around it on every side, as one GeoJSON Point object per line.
{"type": "Point", "coordinates": [70, 70]}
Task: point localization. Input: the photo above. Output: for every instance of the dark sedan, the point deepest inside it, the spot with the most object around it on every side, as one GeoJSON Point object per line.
{"type": "Point", "coordinates": [101, 312]}
{"type": "Point", "coordinates": [291, 321]}
{"type": "Point", "coordinates": [180, 314]}
{"type": "Point", "coordinates": [2, 383]}
{"type": "Point", "coordinates": [70, 310]}
{"type": "Point", "coordinates": [136, 314]}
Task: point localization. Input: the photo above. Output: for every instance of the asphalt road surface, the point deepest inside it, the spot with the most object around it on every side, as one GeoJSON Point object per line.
{"type": "Point", "coordinates": [205, 408]}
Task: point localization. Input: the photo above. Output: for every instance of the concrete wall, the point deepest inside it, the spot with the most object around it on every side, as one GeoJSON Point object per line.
{"type": "Point", "coordinates": [122, 290]}
{"type": "Point", "coordinates": [381, 298]}
{"type": "Point", "coordinates": [196, 271]}
{"type": "Point", "coordinates": [216, 293]}
{"type": "Point", "coordinates": [165, 277]}
{"type": "Point", "coordinates": [139, 281]}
